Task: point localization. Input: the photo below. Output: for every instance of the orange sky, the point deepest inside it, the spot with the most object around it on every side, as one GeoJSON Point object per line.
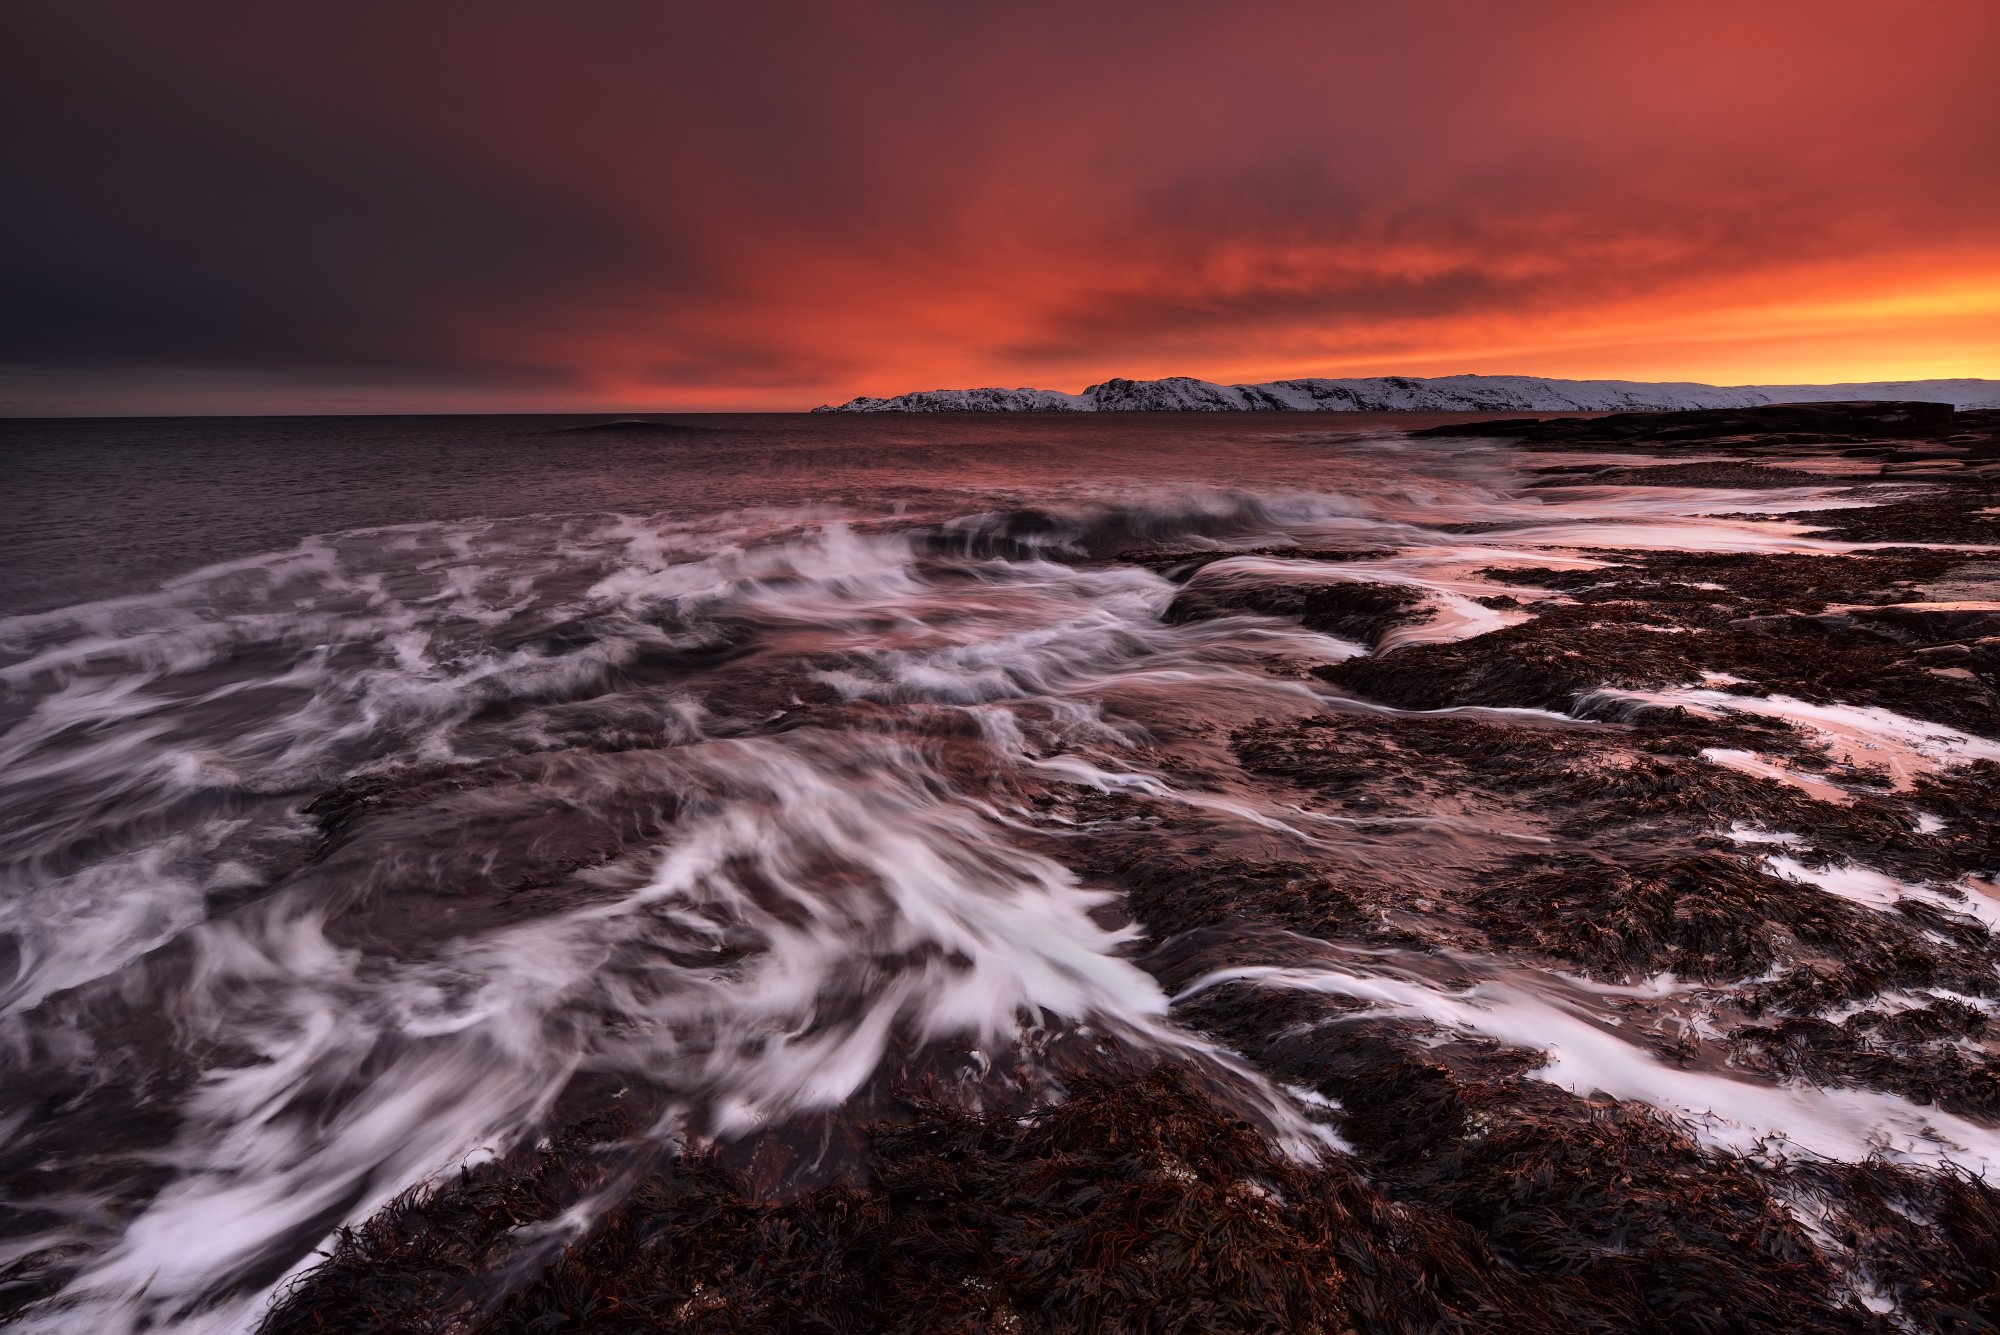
{"type": "Point", "coordinates": [382, 207]}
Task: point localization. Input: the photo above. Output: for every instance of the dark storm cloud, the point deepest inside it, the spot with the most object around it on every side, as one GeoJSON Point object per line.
{"type": "Point", "coordinates": [767, 204]}
{"type": "Point", "coordinates": [192, 224]}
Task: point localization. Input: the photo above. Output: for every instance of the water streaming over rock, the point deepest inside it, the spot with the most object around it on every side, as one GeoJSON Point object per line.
{"type": "Point", "coordinates": [328, 868]}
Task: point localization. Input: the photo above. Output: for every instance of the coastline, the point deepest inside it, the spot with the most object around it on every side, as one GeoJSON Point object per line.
{"type": "Point", "coordinates": [1750, 832]}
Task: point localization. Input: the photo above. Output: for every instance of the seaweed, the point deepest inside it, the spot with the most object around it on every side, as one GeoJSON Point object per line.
{"type": "Point", "coordinates": [1915, 1053]}
{"type": "Point", "coordinates": [1476, 1197]}
{"type": "Point", "coordinates": [1134, 1205]}
{"type": "Point", "coordinates": [1590, 1213]}
{"type": "Point", "coordinates": [1350, 609]}
{"type": "Point", "coordinates": [1927, 1241]}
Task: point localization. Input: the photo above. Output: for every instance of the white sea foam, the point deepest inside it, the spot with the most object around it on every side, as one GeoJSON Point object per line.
{"type": "Point", "coordinates": [825, 857]}
{"type": "Point", "coordinates": [1875, 890]}
{"type": "Point", "coordinates": [1864, 736]}
{"type": "Point", "coordinates": [1776, 770]}
{"type": "Point", "coordinates": [1740, 1115]}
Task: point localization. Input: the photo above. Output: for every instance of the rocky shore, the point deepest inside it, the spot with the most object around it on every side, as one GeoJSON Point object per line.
{"type": "Point", "coordinates": [1753, 804]}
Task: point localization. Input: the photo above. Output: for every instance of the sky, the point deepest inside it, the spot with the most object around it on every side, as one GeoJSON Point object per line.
{"type": "Point", "coordinates": [518, 205]}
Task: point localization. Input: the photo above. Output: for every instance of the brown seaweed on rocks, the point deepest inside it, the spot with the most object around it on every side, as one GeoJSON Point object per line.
{"type": "Point", "coordinates": [1642, 883]}
{"type": "Point", "coordinates": [1626, 788]}
{"type": "Point", "coordinates": [1665, 620]}
{"type": "Point", "coordinates": [1478, 1196]}
{"type": "Point", "coordinates": [1181, 565]}
{"type": "Point", "coordinates": [1814, 424]}
{"type": "Point", "coordinates": [1928, 1243]}
{"type": "Point", "coordinates": [1709, 916]}
{"type": "Point", "coordinates": [1134, 1205]}
{"type": "Point", "coordinates": [1680, 475]}
{"type": "Point", "coordinates": [1353, 610]}
{"type": "Point", "coordinates": [1606, 1216]}
{"type": "Point", "coordinates": [1917, 1052]}
{"type": "Point", "coordinates": [1962, 514]}
{"type": "Point", "coordinates": [1130, 1206]}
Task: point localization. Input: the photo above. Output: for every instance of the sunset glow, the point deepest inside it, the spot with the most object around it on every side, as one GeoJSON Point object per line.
{"type": "Point", "coordinates": [763, 207]}
{"type": "Point", "coordinates": [1062, 667]}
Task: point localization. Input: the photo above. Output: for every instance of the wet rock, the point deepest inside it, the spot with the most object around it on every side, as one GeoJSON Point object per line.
{"type": "Point", "coordinates": [1916, 1053]}
{"type": "Point", "coordinates": [1667, 620]}
{"type": "Point", "coordinates": [1131, 1206]}
{"type": "Point", "coordinates": [1351, 610]}
{"type": "Point", "coordinates": [428, 852]}
{"type": "Point", "coordinates": [375, 792]}
{"type": "Point", "coordinates": [1545, 664]}
{"type": "Point", "coordinates": [1928, 623]}
{"type": "Point", "coordinates": [1689, 581]}
{"type": "Point", "coordinates": [1690, 475]}
{"type": "Point", "coordinates": [1594, 1214]}
{"type": "Point", "coordinates": [1973, 581]}
{"type": "Point", "coordinates": [1710, 916]}
{"type": "Point", "coordinates": [1815, 422]}
{"type": "Point", "coordinates": [1901, 623]}
{"type": "Point", "coordinates": [1928, 1242]}
{"type": "Point", "coordinates": [1135, 1205]}
{"type": "Point", "coordinates": [1946, 515]}
{"type": "Point", "coordinates": [1181, 565]}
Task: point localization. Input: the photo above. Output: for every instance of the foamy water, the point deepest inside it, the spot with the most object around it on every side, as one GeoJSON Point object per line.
{"type": "Point", "coordinates": [756, 812]}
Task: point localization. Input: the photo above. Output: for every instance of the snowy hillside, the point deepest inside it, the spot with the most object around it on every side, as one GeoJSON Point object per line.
{"type": "Point", "coordinates": [1451, 393]}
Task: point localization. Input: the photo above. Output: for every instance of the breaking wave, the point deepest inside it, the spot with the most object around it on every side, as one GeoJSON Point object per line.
{"type": "Point", "coordinates": [328, 869]}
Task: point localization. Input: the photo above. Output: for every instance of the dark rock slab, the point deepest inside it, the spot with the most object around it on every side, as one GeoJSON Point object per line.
{"type": "Point", "coordinates": [1348, 609]}
{"type": "Point", "coordinates": [1692, 475]}
{"type": "Point", "coordinates": [1802, 423]}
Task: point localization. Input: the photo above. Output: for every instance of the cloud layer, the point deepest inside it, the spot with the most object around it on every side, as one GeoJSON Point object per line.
{"type": "Point", "coordinates": [237, 206]}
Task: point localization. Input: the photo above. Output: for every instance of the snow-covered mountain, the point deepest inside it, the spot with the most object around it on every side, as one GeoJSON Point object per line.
{"type": "Point", "coordinates": [1396, 393]}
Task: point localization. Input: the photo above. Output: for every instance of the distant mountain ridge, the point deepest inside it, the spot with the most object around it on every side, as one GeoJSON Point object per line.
{"type": "Point", "coordinates": [1396, 393]}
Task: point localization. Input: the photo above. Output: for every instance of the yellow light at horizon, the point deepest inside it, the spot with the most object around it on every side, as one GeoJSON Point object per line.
{"type": "Point", "coordinates": [1933, 329]}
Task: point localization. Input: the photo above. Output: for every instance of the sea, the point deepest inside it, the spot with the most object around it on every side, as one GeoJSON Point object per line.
{"type": "Point", "coordinates": [378, 793]}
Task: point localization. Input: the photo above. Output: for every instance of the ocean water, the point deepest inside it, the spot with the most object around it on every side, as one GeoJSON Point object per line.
{"type": "Point", "coordinates": [740, 771]}
{"type": "Point", "coordinates": [98, 507]}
